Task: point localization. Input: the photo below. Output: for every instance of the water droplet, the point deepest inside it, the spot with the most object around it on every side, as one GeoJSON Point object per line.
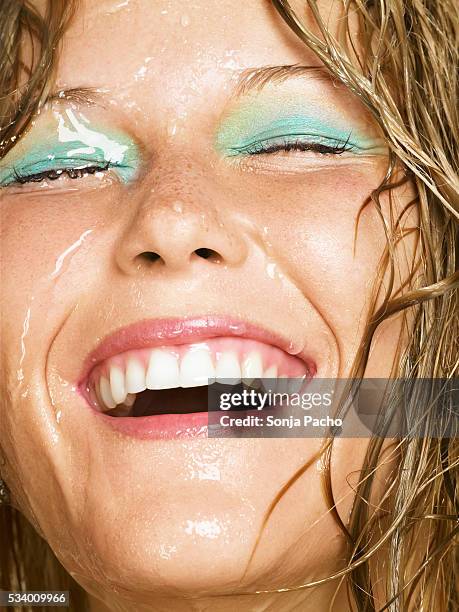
{"type": "Point", "coordinates": [294, 348]}
{"type": "Point", "coordinates": [172, 129]}
{"type": "Point", "coordinates": [271, 270]}
{"type": "Point", "coordinates": [166, 551]}
{"type": "Point", "coordinates": [140, 74]}
{"type": "Point", "coordinates": [178, 207]}
{"type": "Point", "coordinates": [203, 528]}
{"type": "Point", "coordinates": [237, 328]}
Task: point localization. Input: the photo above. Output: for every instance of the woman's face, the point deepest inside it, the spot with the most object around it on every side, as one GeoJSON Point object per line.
{"type": "Point", "coordinates": [221, 195]}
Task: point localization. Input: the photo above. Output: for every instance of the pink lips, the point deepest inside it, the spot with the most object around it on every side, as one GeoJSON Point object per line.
{"type": "Point", "coordinates": [163, 332]}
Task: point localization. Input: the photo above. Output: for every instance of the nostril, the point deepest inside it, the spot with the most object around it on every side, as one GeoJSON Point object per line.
{"type": "Point", "coordinates": [208, 254]}
{"type": "Point", "coordinates": [204, 253]}
{"type": "Point", "coordinates": [150, 256]}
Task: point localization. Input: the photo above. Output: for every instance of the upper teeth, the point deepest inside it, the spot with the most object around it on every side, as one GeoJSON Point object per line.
{"type": "Point", "coordinates": [196, 368]}
{"type": "Point", "coordinates": [165, 370]}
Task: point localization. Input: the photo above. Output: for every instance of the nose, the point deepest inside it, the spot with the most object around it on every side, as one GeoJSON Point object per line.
{"type": "Point", "coordinates": [179, 236]}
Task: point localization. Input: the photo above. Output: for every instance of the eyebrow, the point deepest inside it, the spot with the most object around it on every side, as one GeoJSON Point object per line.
{"type": "Point", "coordinates": [257, 78]}
{"type": "Point", "coordinates": [80, 95]}
{"type": "Point", "coordinates": [247, 80]}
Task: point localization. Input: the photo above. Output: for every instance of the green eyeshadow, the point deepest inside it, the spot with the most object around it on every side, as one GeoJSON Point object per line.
{"type": "Point", "coordinates": [69, 141]}
{"type": "Point", "coordinates": [252, 126]}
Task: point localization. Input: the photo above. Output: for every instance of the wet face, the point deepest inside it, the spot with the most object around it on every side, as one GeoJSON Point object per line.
{"type": "Point", "coordinates": [176, 220]}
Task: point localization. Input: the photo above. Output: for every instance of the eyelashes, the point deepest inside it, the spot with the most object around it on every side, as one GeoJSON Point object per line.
{"type": "Point", "coordinates": [54, 174]}
{"type": "Point", "coordinates": [74, 169]}
{"type": "Point", "coordinates": [287, 145]}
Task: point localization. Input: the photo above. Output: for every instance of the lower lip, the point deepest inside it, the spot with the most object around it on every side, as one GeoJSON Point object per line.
{"type": "Point", "coordinates": [160, 426]}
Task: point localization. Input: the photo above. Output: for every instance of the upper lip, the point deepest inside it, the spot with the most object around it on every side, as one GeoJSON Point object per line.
{"type": "Point", "coordinates": [157, 332]}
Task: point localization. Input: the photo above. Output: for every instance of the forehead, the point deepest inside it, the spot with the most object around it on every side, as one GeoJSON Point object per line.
{"type": "Point", "coordinates": [115, 42]}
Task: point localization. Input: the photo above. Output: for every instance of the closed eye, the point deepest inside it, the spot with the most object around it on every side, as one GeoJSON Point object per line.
{"type": "Point", "coordinates": [287, 145]}
{"type": "Point", "coordinates": [49, 170]}
{"type": "Point", "coordinates": [292, 143]}
{"type": "Point", "coordinates": [54, 174]}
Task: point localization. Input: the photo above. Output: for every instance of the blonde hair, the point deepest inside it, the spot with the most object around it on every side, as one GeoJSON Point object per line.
{"type": "Point", "coordinates": [405, 71]}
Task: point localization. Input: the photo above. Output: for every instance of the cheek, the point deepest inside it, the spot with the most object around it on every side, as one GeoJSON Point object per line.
{"type": "Point", "coordinates": [45, 241]}
{"type": "Point", "coordinates": [310, 230]}
{"type": "Point", "coordinates": [40, 239]}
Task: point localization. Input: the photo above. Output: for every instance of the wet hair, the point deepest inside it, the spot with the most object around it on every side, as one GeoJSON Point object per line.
{"type": "Point", "coordinates": [403, 66]}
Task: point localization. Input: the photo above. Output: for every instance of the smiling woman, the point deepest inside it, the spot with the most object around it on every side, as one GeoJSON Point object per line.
{"type": "Point", "coordinates": [192, 191]}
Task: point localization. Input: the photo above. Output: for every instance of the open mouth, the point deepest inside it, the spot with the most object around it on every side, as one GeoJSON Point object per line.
{"type": "Point", "coordinates": [174, 379]}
